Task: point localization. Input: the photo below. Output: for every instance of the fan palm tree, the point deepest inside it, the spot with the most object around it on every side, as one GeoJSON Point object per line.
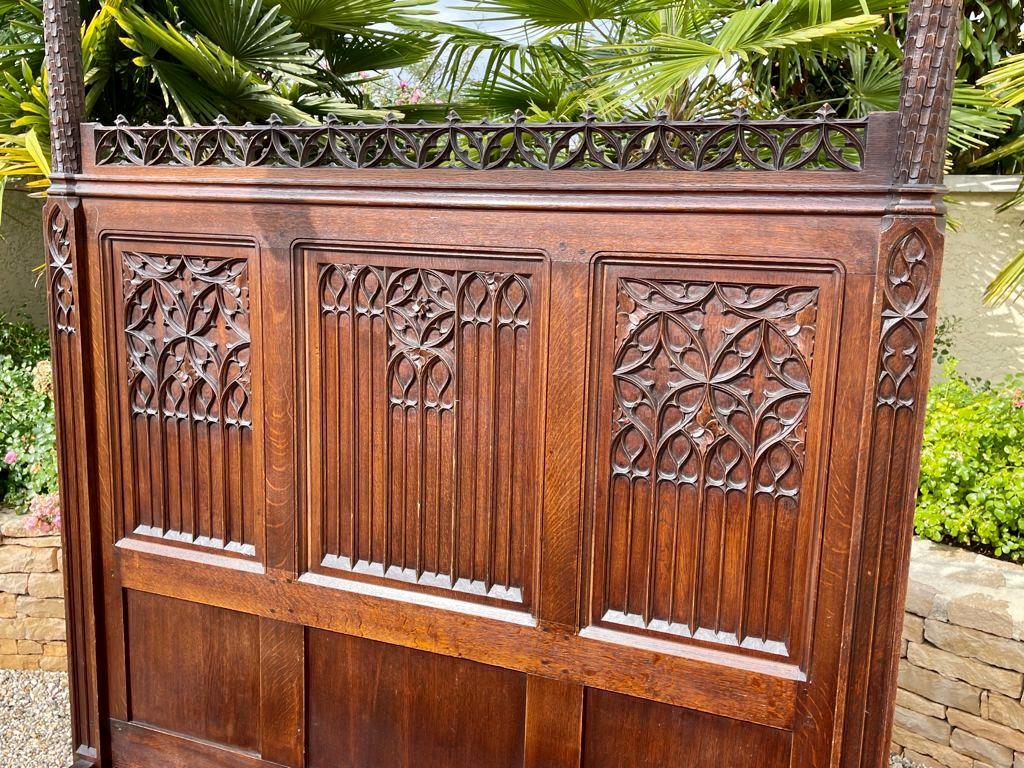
{"type": "Point", "coordinates": [696, 58]}
{"type": "Point", "coordinates": [197, 59]}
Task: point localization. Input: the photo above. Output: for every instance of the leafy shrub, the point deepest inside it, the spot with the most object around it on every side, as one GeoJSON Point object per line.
{"type": "Point", "coordinates": [22, 341]}
{"type": "Point", "coordinates": [972, 467]}
{"type": "Point", "coordinates": [28, 459]}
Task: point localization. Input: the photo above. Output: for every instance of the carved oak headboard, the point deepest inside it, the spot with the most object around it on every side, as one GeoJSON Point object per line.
{"type": "Point", "coordinates": [575, 445]}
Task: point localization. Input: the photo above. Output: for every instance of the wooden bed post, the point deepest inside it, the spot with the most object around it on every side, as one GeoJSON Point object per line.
{"type": "Point", "coordinates": [910, 255]}
{"type": "Point", "coordinates": [63, 38]}
{"type": "Point", "coordinates": [929, 71]}
{"type": "Point", "coordinates": [62, 228]}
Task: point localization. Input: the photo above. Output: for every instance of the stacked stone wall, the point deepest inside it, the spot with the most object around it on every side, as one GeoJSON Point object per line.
{"type": "Point", "coordinates": [32, 629]}
{"type": "Point", "coordinates": [961, 682]}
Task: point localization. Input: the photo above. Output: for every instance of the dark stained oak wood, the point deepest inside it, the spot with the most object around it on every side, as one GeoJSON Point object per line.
{"type": "Point", "coordinates": [522, 468]}
{"type": "Point", "coordinates": [194, 669]}
{"type": "Point", "coordinates": [378, 706]}
{"type": "Point", "coordinates": [622, 732]}
{"type": "Point", "coordinates": [140, 746]}
{"type": "Point", "coordinates": [554, 723]}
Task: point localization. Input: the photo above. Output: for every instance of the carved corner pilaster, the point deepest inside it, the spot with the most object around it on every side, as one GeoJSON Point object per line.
{"type": "Point", "coordinates": [909, 263]}
{"type": "Point", "coordinates": [61, 231]}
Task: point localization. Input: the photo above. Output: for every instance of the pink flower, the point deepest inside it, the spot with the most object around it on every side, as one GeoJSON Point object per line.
{"type": "Point", "coordinates": [44, 513]}
{"type": "Point", "coordinates": [10, 457]}
{"type": "Point", "coordinates": [402, 85]}
{"type": "Point", "coordinates": [416, 96]}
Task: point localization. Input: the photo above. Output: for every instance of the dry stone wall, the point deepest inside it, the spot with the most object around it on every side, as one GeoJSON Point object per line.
{"type": "Point", "coordinates": [961, 681]}
{"type": "Point", "coordinates": [32, 631]}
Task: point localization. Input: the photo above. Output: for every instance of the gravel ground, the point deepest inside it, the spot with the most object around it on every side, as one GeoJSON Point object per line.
{"type": "Point", "coordinates": [35, 727]}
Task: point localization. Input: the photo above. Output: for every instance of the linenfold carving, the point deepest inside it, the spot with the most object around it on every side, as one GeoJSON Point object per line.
{"type": "Point", "coordinates": [188, 348]}
{"type": "Point", "coordinates": [710, 398]}
{"type": "Point", "coordinates": [429, 370]}
{"type": "Point", "coordinates": [821, 143]}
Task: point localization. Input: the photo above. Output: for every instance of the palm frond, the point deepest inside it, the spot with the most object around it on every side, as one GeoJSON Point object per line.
{"type": "Point", "coordinates": [375, 50]}
{"type": "Point", "coordinates": [1006, 81]}
{"type": "Point", "coordinates": [25, 157]}
{"type": "Point", "coordinates": [252, 34]}
{"type": "Point", "coordinates": [652, 71]}
{"type": "Point", "coordinates": [100, 52]}
{"type": "Point", "coordinates": [1008, 285]}
{"type": "Point", "coordinates": [201, 79]}
{"type": "Point", "coordinates": [558, 14]}
{"type": "Point", "coordinates": [465, 50]}
{"type": "Point", "coordinates": [977, 118]}
{"type": "Point", "coordinates": [349, 15]}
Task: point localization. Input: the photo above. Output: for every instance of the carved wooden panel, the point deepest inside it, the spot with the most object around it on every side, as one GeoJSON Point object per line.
{"type": "Point", "coordinates": [187, 374]}
{"type": "Point", "coordinates": [373, 705]}
{"type": "Point", "coordinates": [211, 667]}
{"type": "Point", "coordinates": [909, 261]}
{"type": "Point", "coordinates": [703, 519]}
{"type": "Point", "coordinates": [424, 376]}
{"type": "Point", "coordinates": [674, 736]}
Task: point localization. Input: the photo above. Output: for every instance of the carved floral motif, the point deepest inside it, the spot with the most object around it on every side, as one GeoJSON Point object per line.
{"type": "Point", "coordinates": [62, 271]}
{"type": "Point", "coordinates": [189, 391]}
{"type": "Point", "coordinates": [907, 283]}
{"type": "Point", "coordinates": [187, 334]}
{"type": "Point", "coordinates": [712, 383]}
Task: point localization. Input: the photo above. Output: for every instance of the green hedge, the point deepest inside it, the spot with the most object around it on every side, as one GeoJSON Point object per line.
{"type": "Point", "coordinates": [972, 465]}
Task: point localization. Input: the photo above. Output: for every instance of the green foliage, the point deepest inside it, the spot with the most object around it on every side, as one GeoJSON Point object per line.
{"type": "Point", "coordinates": [946, 331]}
{"type": "Point", "coordinates": [972, 466]}
{"type": "Point", "coordinates": [22, 342]}
{"type": "Point", "coordinates": [197, 59]}
{"type": "Point", "coordinates": [694, 58]}
{"type": "Point", "coordinates": [28, 458]}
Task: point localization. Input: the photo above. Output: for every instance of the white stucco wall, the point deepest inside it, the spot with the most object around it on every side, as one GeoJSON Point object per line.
{"type": "Point", "coordinates": [21, 252]}
{"type": "Point", "coordinates": [990, 341]}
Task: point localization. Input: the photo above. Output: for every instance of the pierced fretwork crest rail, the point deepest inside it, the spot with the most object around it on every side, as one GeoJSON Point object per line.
{"type": "Point", "coordinates": [821, 143]}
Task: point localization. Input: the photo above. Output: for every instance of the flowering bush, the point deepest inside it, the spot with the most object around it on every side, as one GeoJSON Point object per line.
{"type": "Point", "coordinates": [28, 458]}
{"type": "Point", "coordinates": [44, 512]}
{"type": "Point", "coordinates": [972, 466]}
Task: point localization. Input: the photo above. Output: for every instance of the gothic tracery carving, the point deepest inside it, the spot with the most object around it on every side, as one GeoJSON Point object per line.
{"type": "Point", "coordinates": [446, 352]}
{"type": "Point", "coordinates": [62, 271]}
{"type": "Point", "coordinates": [188, 357]}
{"type": "Point", "coordinates": [711, 388]}
{"type": "Point", "coordinates": [187, 330]}
{"type": "Point", "coordinates": [906, 287]}
{"type": "Point", "coordinates": [823, 142]}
